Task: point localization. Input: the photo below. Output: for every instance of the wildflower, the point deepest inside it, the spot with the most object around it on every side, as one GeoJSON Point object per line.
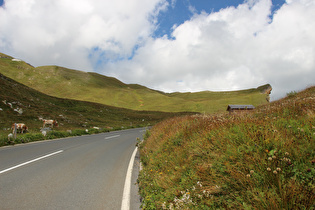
{"type": "Point", "coordinates": [286, 153]}
{"type": "Point", "coordinates": [274, 157]}
{"type": "Point", "coordinates": [278, 169]}
{"type": "Point", "coordinates": [268, 169]}
{"type": "Point", "coordinates": [270, 158]}
{"type": "Point", "coordinates": [206, 193]}
{"type": "Point", "coordinates": [267, 151]}
{"type": "Point", "coordinates": [275, 172]}
{"type": "Point", "coordinates": [164, 205]}
{"type": "Point", "coordinates": [251, 171]}
{"type": "Point", "coordinates": [248, 175]}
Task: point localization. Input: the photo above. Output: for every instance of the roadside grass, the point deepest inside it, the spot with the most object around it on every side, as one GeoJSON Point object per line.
{"type": "Point", "coordinates": [53, 134]}
{"type": "Point", "coordinates": [260, 160]}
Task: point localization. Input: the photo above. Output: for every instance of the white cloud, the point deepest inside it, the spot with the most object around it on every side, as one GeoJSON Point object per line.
{"type": "Point", "coordinates": [231, 49]}
{"type": "Point", "coordinates": [234, 48]}
{"type": "Point", "coordinates": [67, 32]}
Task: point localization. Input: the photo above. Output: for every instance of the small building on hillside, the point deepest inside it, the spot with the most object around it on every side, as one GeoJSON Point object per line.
{"type": "Point", "coordinates": [239, 108]}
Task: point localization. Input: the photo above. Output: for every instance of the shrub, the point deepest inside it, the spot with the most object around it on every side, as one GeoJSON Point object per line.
{"type": "Point", "coordinates": [78, 132]}
{"type": "Point", "coordinates": [292, 94]}
{"type": "Point", "coordinates": [57, 134]}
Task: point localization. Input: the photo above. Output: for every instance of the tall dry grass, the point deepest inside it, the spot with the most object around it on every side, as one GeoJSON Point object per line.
{"type": "Point", "coordinates": [261, 160]}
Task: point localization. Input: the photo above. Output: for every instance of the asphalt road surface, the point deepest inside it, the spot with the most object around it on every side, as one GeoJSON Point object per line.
{"type": "Point", "coordinates": [86, 172]}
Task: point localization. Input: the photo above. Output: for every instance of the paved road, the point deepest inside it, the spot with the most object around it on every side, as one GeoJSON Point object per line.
{"type": "Point", "coordinates": [86, 172]}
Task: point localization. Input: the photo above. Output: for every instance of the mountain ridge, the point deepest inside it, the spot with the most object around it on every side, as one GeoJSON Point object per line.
{"type": "Point", "coordinates": [90, 86]}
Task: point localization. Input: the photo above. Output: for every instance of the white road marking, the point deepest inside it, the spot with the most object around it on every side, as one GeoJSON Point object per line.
{"type": "Point", "coordinates": [125, 204]}
{"type": "Point", "coordinates": [109, 137]}
{"type": "Point", "coordinates": [31, 161]}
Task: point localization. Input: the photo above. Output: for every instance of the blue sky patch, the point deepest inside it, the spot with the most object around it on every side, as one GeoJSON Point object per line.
{"type": "Point", "coordinates": [182, 10]}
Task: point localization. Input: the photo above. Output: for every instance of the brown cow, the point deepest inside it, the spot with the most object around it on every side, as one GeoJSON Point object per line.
{"type": "Point", "coordinates": [50, 123]}
{"type": "Point", "coordinates": [20, 127]}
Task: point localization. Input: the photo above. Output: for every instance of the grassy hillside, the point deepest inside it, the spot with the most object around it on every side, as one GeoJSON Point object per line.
{"type": "Point", "coordinates": [261, 160]}
{"type": "Point", "coordinates": [72, 84]}
{"type": "Point", "coordinates": [23, 104]}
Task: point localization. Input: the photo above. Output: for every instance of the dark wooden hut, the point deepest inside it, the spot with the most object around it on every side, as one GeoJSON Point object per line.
{"type": "Point", "coordinates": [239, 108]}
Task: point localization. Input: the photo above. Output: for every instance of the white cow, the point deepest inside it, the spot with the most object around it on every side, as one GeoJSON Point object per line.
{"type": "Point", "coordinates": [20, 127]}
{"type": "Point", "coordinates": [50, 123]}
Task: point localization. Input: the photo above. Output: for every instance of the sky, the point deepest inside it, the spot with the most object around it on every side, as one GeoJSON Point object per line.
{"type": "Point", "coordinates": [169, 45]}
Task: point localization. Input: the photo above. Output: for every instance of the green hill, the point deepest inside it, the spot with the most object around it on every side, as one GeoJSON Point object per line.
{"type": "Point", "coordinates": [86, 86]}
{"type": "Point", "coordinates": [20, 103]}
{"type": "Point", "coordinates": [264, 159]}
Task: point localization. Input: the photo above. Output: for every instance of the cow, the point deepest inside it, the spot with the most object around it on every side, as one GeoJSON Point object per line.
{"type": "Point", "coordinates": [20, 127]}
{"type": "Point", "coordinates": [50, 123]}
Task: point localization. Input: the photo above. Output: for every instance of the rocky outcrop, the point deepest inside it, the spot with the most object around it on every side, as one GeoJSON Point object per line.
{"type": "Point", "coordinates": [265, 89]}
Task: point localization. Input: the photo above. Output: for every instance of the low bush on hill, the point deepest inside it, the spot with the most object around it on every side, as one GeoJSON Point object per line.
{"type": "Point", "coordinates": [261, 160]}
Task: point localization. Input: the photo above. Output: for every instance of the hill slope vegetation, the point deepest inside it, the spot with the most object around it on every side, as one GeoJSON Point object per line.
{"type": "Point", "coordinates": [20, 103]}
{"type": "Point", "coordinates": [260, 160]}
{"type": "Point", "coordinates": [86, 86]}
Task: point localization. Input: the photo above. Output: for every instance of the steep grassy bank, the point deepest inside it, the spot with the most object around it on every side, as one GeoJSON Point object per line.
{"type": "Point", "coordinates": [261, 160]}
{"type": "Point", "coordinates": [86, 86]}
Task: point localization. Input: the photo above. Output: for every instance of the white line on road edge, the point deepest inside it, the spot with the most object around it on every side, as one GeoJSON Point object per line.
{"type": "Point", "coordinates": [31, 161]}
{"type": "Point", "coordinates": [109, 137]}
{"type": "Point", "coordinates": [125, 204]}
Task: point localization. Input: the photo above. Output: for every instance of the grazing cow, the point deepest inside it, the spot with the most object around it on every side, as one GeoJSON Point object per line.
{"type": "Point", "coordinates": [50, 123]}
{"type": "Point", "coordinates": [20, 127]}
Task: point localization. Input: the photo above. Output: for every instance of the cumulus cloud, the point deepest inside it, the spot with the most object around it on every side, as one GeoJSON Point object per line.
{"type": "Point", "coordinates": [234, 48]}
{"type": "Point", "coordinates": [72, 32]}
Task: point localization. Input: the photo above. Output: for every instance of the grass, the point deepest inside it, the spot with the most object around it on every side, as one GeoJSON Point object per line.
{"type": "Point", "coordinates": [36, 136]}
{"type": "Point", "coordinates": [93, 87]}
{"type": "Point", "coordinates": [23, 104]}
{"type": "Point", "coordinates": [261, 160]}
